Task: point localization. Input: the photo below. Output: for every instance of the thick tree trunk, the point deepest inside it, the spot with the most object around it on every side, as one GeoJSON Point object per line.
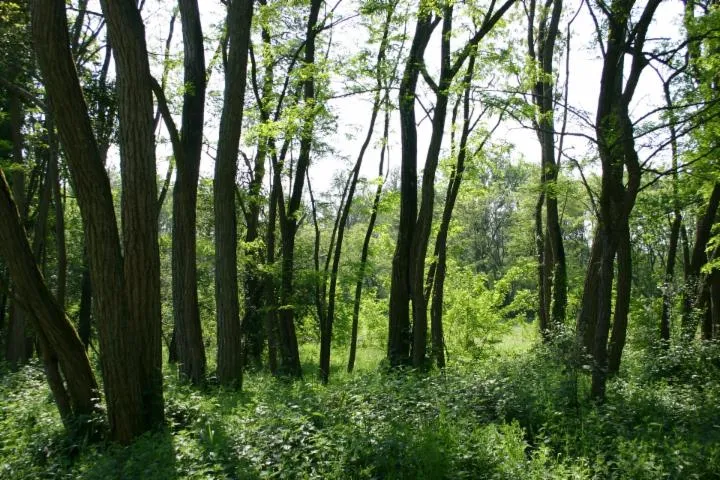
{"type": "Point", "coordinates": [92, 187]}
{"type": "Point", "coordinates": [141, 253]}
{"type": "Point", "coordinates": [77, 396]}
{"type": "Point", "coordinates": [188, 331]}
{"type": "Point", "coordinates": [229, 335]}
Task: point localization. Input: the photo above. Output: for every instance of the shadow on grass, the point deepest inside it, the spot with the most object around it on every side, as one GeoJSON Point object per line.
{"type": "Point", "coordinates": [152, 456]}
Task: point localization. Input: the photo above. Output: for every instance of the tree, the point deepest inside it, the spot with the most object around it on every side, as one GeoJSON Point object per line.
{"type": "Point", "coordinates": [229, 353]}
{"type": "Point", "coordinates": [552, 274]}
{"type": "Point", "coordinates": [133, 394]}
{"type": "Point", "coordinates": [67, 368]}
{"type": "Point", "coordinates": [287, 339]}
{"type": "Point", "coordinates": [187, 147]}
{"type": "Point", "coordinates": [408, 282]}
{"type": "Point", "coordinates": [616, 148]}
{"type": "Point", "coordinates": [328, 319]}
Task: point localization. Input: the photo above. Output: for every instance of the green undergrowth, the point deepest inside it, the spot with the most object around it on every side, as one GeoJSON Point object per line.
{"type": "Point", "coordinates": [523, 416]}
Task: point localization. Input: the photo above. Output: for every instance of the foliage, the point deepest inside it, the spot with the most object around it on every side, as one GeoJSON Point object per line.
{"type": "Point", "coordinates": [507, 417]}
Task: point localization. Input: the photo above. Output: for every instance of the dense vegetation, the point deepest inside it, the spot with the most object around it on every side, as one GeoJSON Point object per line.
{"type": "Point", "coordinates": [373, 239]}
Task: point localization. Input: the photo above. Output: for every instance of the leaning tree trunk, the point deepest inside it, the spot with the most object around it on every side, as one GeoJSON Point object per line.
{"type": "Point", "coordinates": [92, 188]}
{"type": "Point", "coordinates": [77, 395]}
{"type": "Point", "coordinates": [229, 335]}
{"type": "Point", "coordinates": [440, 254]}
{"type": "Point", "coordinates": [366, 241]}
{"type": "Point", "coordinates": [326, 332]}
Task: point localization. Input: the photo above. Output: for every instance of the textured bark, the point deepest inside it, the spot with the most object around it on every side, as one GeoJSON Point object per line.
{"type": "Point", "coordinates": [92, 187]}
{"type": "Point", "coordinates": [141, 253]}
{"type": "Point", "coordinates": [61, 348]}
{"type": "Point", "coordinates": [229, 353]}
{"type": "Point", "coordinates": [188, 331]}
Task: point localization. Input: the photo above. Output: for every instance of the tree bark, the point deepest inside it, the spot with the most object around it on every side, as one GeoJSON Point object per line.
{"type": "Point", "coordinates": [399, 339]}
{"type": "Point", "coordinates": [616, 146]}
{"type": "Point", "coordinates": [440, 253]}
{"type": "Point", "coordinates": [141, 253]}
{"type": "Point", "coordinates": [77, 396]}
{"type": "Point", "coordinates": [189, 342]}
{"type": "Point", "coordinates": [552, 276]}
{"type": "Point", "coordinates": [229, 335]}
{"type": "Point", "coordinates": [92, 187]}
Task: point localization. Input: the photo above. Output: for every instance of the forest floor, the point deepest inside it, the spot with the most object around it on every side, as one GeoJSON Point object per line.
{"type": "Point", "coordinates": [518, 412]}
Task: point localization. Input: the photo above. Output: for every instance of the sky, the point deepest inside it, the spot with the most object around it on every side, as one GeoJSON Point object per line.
{"type": "Point", "coordinates": [353, 112]}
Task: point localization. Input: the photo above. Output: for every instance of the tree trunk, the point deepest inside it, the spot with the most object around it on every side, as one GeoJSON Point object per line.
{"type": "Point", "coordinates": [76, 397]}
{"type": "Point", "coordinates": [622, 301]}
{"type": "Point", "coordinates": [119, 352]}
{"type": "Point", "coordinates": [139, 199]}
{"type": "Point", "coordinates": [399, 339]}
{"type": "Point", "coordinates": [60, 244]}
{"type": "Point", "coordinates": [289, 355]}
{"type": "Point", "coordinates": [18, 347]}
{"type": "Point", "coordinates": [270, 287]}
{"type": "Point", "coordinates": [366, 241]}
{"type": "Point", "coordinates": [85, 313]}
{"type": "Point", "coordinates": [326, 333]}
{"type": "Point", "coordinates": [229, 335]}
{"type": "Point", "coordinates": [552, 276]}
{"type": "Point", "coordinates": [698, 258]}
{"type": "Point", "coordinates": [616, 147]}
{"type": "Point", "coordinates": [189, 342]}
{"type": "Point", "coordinates": [440, 253]}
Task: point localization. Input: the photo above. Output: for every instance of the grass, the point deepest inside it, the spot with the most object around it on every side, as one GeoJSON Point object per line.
{"type": "Point", "coordinates": [519, 416]}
